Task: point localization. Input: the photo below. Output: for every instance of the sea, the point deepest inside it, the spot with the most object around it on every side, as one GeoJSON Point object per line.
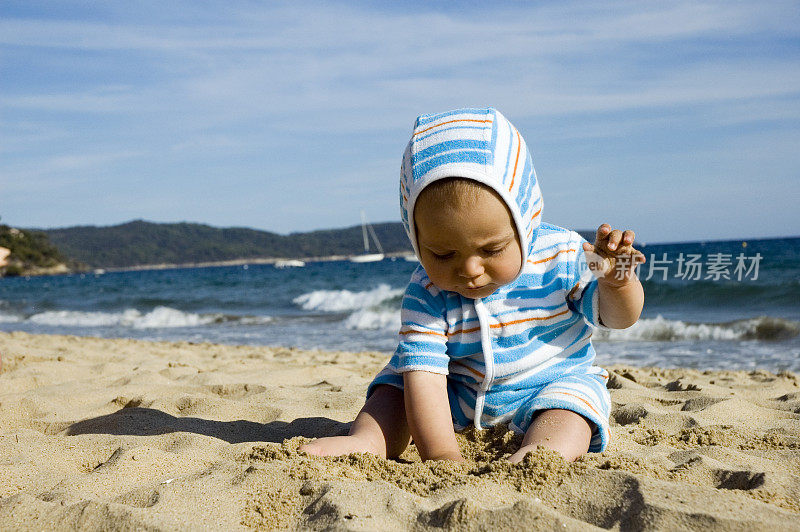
{"type": "Point", "coordinates": [708, 305]}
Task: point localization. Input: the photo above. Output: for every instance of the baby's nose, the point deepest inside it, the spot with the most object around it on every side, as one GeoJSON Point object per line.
{"type": "Point", "coordinates": [471, 267]}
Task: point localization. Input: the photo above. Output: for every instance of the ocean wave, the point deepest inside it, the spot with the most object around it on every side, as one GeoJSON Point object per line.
{"type": "Point", "coordinates": [657, 329]}
{"type": "Point", "coordinates": [9, 318]}
{"type": "Point", "coordinates": [374, 319]}
{"type": "Point", "coordinates": [660, 329]}
{"type": "Point", "coordinates": [158, 318]}
{"type": "Point", "coordinates": [344, 300]}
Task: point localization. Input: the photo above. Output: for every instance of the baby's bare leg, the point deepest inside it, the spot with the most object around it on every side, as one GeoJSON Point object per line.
{"type": "Point", "coordinates": [563, 431]}
{"type": "Point", "coordinates": [380, 428]}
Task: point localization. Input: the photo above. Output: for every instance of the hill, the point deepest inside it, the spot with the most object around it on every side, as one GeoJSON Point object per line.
{"type": "Point", "coordinates": [32, 253]}
{"type": "Point", "coordinates": [139, 242]}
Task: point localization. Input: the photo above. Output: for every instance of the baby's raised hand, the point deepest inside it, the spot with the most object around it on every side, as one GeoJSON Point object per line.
{"type": "Point", "coordinates": [612, 258]}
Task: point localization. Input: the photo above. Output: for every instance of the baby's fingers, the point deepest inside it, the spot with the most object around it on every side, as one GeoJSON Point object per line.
{"type": "Point", "coordinates": [614, 238]}
{"type": "Point", "coordinates": [620, 240]}
{"type": "Point", "coordinates": [602, 232]}
{"type": "Point", "coordinates": [628, 237]}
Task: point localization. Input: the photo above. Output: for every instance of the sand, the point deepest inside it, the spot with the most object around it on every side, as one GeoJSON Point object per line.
{"type": "Point", "coordinates": [131, 435]}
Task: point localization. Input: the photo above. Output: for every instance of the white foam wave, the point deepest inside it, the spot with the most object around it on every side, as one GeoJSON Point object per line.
{"type": "Point", "coordinates": [158, 318]}
{"type": "Point", "coordinates": [254, 320]}
{"type": "Point", "coordinates": [660, 329]}
{"type": "Point", "coordinates": [9, 318]}
{"type": "Point", "coordinates": [368, 319]}
{"type": "Point", "coordinates": [342, 300]}
{"type": "Point", "coordinates": [657, 329]}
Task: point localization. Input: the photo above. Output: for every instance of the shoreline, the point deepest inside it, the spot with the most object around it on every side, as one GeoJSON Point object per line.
{"type": "Point", "coordinates": [142, 434]}
{"type": "Point", "coordinates": [62, 269]}
{"type": "Point", "coordinates": [241, 262]}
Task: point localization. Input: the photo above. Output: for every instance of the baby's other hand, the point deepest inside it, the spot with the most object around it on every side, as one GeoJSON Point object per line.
{"type": "Point", "coordinates": [612, 258]}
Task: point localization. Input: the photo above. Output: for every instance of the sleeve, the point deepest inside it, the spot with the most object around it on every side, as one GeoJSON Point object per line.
{"type": "Point", "coordinates": [581, 284]}
{"type": "Point", "coordinates": [423, 332]}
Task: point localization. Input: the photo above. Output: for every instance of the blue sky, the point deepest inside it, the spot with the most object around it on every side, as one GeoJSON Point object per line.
{"type": "Point", "coordinates": [680, 120]}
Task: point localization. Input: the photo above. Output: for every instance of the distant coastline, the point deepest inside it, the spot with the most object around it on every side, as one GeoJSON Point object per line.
{"type": "Point", "coordinates": [146, 245]}
{"type": "Point", "coordinates": [140, 245]}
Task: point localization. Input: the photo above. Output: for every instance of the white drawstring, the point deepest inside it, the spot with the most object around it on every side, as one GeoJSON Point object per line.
{"type": "Point", "coordinates": [488, 360]}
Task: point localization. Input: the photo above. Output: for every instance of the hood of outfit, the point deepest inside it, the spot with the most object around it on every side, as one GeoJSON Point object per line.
{"type": "Point", "coordinates": [477, 144]}
{"type": "Point", "coordinates": [525, 347]}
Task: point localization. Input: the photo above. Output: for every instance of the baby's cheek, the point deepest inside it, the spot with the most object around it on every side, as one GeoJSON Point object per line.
{"type": "Point", "coordinates": [507, 272]}
{"type": "Point", "coordinates": [437, 275]}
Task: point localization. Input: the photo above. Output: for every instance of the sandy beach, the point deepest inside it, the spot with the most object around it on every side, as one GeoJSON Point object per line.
{"type": "Point", "coordinates": [124, 434]}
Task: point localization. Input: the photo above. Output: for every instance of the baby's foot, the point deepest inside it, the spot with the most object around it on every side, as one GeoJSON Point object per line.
{"type": "Point", "coordinates": [339, 445]}
{"type": "Point", "coordinates": [520, 454]}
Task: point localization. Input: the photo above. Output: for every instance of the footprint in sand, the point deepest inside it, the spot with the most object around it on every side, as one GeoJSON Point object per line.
{"type": "Point", "coordinates": [325, 386]}
{"type": "Point", "coordinates": [236, 391]}
{"type": "Point", "coordinates": [700, 403]}
{"type": "Point", "coordinates": [140, 498]}
{"type": "Point", "coordinates": [706, 470]}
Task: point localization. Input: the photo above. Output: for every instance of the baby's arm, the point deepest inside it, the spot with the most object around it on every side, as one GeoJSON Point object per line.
{"type": "Point", "coordinates": [428, 414]}
{"type": "Point", "coordinates": [620, 294]}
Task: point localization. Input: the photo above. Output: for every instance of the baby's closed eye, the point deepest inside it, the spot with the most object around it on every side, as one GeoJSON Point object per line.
{"type": "Point", "coordinates": [494, 250]}
{"type": "Point", "coordinates": [443, 256]}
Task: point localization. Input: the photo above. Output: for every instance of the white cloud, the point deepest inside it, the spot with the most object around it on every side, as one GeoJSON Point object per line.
{"type": "Point", "coordinates": [58, 170]}
{"type": "Point", "coordinates": [338, 25]}
{"type": "Point", "coordinates": [280, 61]}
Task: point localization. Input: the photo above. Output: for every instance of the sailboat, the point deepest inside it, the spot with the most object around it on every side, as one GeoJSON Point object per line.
{"type": "Point", "coordinates": [367, 256]}
{"type": "Point", "coordinates": [289, 263]}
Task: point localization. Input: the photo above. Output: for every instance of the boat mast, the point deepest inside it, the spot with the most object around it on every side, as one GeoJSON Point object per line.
{"type": "Point", "coordinates": [364, 231]}
{"type": "Point", "coordinates": [375, 237]}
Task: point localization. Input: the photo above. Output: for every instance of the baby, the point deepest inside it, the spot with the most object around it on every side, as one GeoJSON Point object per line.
{"type": "Point", "coordinates": [497, 320]}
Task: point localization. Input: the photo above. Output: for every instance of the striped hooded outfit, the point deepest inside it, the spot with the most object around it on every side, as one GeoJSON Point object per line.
{"type": "Point", "coordinates": [526, 347]}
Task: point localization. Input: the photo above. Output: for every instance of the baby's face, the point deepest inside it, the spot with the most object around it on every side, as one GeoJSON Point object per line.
{"type": "Point", "coordinates": [472, 250]}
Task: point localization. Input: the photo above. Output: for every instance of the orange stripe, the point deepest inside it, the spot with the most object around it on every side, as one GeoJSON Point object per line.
{"type": "Point", "coordinates": [572, 290]}
{"type": "Point", "coordinates": [423, 332]}
{"type": "Point", "coordinates": [554, 256]}
{"type": "Point", "coordinates": [499, 325]}
{"type": "Point", "coordinates": [532, 219]}
{"type": "Point", "coordinates": [584, 400]}
{"type": "Point", "coordinates": [464, 331]}
{"type": "Point", "coordinates": [450, 122]}
{"type": "Point", "coordinates": [474, 371]}
{"type": "Point", "coordinates": [428, 285]}
{"type": "Point", "coordinates": [515, 164]}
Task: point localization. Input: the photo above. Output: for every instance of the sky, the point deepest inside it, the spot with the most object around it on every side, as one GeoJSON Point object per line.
{"type": "Point", "coordinates": [678, 120]}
